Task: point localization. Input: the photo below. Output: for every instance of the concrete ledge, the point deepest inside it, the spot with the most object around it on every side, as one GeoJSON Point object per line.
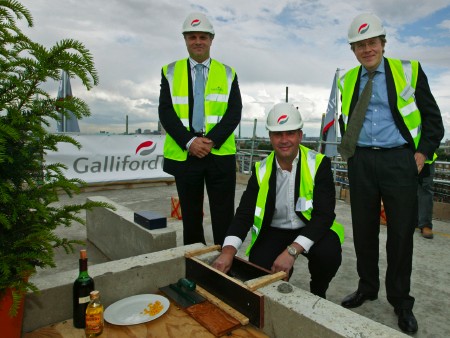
{"type": "Point", "coordinates": [117, 236]}
{"type": "Point", "coordinates": [285, 315]}
{"type": "Point", "coordinates": [115, 280]}
{"type": "Point", "coordinates": [315, 317]}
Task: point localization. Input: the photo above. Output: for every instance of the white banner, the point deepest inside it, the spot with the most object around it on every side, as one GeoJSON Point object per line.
{"type": "Point", "coordinates": [112, 158]}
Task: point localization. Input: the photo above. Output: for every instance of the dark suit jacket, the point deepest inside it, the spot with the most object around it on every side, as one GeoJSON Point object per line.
{"type": "Point", "coordinates": [323, 209]}
{"type": "Point", "coordinates": [181, 135]}
{"type": "Point", "coordinates": [432, 126]}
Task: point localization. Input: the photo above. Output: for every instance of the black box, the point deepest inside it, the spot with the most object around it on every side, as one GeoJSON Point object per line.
{"type": "Point", "coordinates": [150, 220]}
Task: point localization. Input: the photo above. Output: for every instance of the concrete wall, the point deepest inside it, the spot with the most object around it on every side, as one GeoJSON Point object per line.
{"type": "Point", "coordinates": [297, 314]}
{"type": "Point", "coordinates": [116, 235]}
{"type": "Point", "coordinates": [115, 280]}
{"type": "Point", "coordinates": [302, 314]}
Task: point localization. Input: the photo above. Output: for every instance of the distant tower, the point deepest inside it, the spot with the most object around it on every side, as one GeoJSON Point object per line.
{"type": "Point", "coordinates": [161, 128]}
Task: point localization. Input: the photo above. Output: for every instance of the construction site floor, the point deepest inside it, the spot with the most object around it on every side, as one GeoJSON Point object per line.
{"type": "Point", "coordinates": [431, 263]}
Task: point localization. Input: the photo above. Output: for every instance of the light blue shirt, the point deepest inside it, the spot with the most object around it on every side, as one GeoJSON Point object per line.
{"type": "Point", "coordinates": [379, 128]}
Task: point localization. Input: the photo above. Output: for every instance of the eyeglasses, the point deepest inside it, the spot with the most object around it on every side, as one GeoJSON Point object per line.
{"type": "Point", "coordinates": [361, 46]}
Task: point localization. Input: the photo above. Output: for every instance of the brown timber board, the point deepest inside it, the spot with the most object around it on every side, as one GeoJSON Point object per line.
{"type": "Point", "coordinates": [217, 321]}
{"type": "Point", "coordinates": [234, 293]}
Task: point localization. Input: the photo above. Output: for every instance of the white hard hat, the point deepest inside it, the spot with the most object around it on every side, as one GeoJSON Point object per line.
{"type": "Point", "coordinates": [197, 22]}
{"type": "Point", "coordinates": [284, 117]}
{"type": "Point", "coordinates": [365, 26]}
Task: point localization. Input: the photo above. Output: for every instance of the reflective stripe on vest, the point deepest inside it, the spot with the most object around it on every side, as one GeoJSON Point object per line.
{"type": "Point", "coordinates": [217, 91]}
{"type": "Point", "coordinates": [310, 161]}
{"type": "Point", "coordinates": [405, 77]}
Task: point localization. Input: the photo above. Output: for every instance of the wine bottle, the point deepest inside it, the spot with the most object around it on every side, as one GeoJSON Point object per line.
{"type": "Point", "coordinates": [94, 316]}
{"type": "Point", "coordinates": [82, 287]}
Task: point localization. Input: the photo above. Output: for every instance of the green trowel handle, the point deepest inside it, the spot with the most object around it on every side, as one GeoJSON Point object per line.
{"type": "Point", "coordinates": [188, 284]}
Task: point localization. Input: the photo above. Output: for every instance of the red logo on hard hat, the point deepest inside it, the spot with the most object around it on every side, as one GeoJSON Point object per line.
{"type": "Point", "coordinates": [195, 22]}
{"type": "Point", "coordinates": [282, 119]}
{"type": "Point", "coordinates": [147, 146]}
{"type": "Point", "coordinates": [363, 28]}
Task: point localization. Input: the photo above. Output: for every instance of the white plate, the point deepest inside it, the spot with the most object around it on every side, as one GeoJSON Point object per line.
{"type": "Point", "coordinates": [130, 311]}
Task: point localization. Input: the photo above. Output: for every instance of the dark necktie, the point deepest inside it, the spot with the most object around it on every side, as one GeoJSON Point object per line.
{"type": "Point", "coordinates": [199, 99]}
{"type": "Point", "coordinates": [348, 142]}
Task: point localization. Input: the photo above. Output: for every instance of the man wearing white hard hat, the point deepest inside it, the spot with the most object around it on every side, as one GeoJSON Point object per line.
{"type": "Point", "coordinates": [200, 107]}
{"type": "Point", "coordinates": [390, 130]}
{"type": "Point", "coordinates": [289, 207]}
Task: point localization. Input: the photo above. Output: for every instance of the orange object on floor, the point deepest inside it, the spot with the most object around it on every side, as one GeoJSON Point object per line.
{"type": "Point", "coordinates": [382, 215]}
{"type": "Point", "coordinates": [176, 209]}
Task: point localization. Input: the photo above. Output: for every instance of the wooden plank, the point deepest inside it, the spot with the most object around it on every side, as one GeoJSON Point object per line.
{"type": "Point", "coordinates": [257, 283]}
{"type": "Point", "coordinates": [202, 251]}
{"type": "Point", "coordinates": [217, 321]}
{"type": "Point", "coordinates": [229, 290]}
{"type": "Point", "coordinates": [225, 307]}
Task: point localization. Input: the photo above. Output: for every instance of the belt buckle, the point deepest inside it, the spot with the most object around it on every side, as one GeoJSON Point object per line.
{"type": "Point", "coordinates": [376, 148]}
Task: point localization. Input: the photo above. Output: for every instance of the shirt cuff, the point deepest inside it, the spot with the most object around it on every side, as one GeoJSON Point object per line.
{"type": "Point", "coordinates": [190, 142]}
{"type": "Point", "coordinates": [305, 242]}
{"type": "Point", "coordinates": [234, 241]}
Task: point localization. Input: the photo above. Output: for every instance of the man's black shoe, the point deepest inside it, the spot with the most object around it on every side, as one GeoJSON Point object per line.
{"type": "Point", "coordinates": [406, 320]}
{"type": "Point", "coordinates": [356, 299]}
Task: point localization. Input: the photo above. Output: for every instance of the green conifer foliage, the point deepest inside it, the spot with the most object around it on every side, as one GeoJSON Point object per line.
{"type": "Point", "coordinates": [29, 187]}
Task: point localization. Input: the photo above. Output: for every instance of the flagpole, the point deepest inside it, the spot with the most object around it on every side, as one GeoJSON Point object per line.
{"type": "Point", "coordinates": [336, 111]}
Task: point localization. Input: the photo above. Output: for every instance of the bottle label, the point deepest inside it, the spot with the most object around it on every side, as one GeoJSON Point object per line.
{"type": "Point", "coordinates": [94, 323]}
{"type": "Point", "coordinates": [84, 300]}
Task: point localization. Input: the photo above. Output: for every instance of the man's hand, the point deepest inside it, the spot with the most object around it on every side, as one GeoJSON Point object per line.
{"type": "Point", "coordinates": [285, 261]}
{"type": "Point", "coordinates": [225, 260]}
{"type": "Point", "coordinates": [420, 161]}
{"type": "Point", "coordinates": [200, 147]}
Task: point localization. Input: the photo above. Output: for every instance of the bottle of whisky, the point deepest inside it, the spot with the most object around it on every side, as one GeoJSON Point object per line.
{"type": "Point", "coordinates": [94, 316]}
{"type": "Point", "coordinates": [82, 287]}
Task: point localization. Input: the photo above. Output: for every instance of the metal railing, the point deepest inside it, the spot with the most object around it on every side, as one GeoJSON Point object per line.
{"type": "Point", "coordinates": [246, 158]}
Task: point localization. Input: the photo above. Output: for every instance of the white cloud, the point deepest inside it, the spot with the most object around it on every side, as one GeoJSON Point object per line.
{"type": "Point", "coordinates": [271, 44]}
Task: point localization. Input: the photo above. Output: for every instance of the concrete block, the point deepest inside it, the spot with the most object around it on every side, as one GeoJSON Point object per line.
{"type": "Point", "coordinates": [315, 317]}
{"type": "Point", "coordinates": [117, 236]}
{"type": "Point", "coordinates": [115, 280]}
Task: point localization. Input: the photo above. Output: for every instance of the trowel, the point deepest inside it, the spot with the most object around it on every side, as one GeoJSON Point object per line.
{"type": "Point", "coordinates": [183, 293]}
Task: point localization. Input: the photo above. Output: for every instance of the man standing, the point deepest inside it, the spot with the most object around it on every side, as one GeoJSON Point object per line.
{"type": "Point", "coordinates": [425, 194]}
{"type": "Point", "coordinates": [289, 205]}
{"type": "Point", "coordinates": [200, 107]}
{"type": "Point", "coordinates": [396, 125]}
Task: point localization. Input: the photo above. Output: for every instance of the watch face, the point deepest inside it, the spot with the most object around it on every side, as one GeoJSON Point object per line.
{"type": "Point", "coordinates": [292, 251]}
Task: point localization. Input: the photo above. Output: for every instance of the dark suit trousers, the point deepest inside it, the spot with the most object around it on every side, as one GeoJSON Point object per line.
{"type": "Point", "coordinates": [220, 186]}
{"type": "Point", "coordinates": [388, 175]}
{"type": "Point", "coordinates": [324, 258]}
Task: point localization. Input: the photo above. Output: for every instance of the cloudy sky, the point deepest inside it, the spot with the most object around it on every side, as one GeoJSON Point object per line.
{"type": "Point", "coordinates": [273, 45]}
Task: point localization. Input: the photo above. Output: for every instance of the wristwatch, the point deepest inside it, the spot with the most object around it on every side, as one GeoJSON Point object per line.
{"type": "Point", "coordinates": [292, 251]}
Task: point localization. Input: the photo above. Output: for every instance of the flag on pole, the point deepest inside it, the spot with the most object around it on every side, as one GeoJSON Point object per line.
{"type": "Point", "coordinates": [329, 125]}
{"type": "Point", "coordinates": [69, 123]}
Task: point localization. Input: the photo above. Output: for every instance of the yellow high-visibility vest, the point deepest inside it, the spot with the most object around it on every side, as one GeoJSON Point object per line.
{"type": "Point", "coordinates": [310, 161]}
{"type": "Point", "coordinates": [217, 92]}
